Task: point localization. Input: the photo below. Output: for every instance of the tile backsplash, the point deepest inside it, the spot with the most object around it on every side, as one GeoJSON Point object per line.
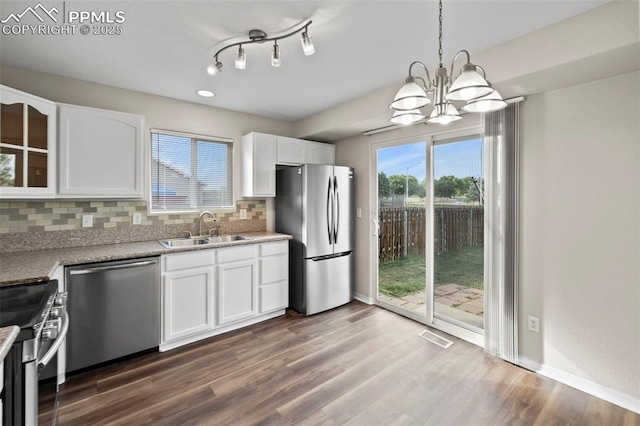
{"type": "Point", "coordinates": [50, 224]}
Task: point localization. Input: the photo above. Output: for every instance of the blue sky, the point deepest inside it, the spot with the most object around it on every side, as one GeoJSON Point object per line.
{"type": "Point", "coordinates": [460, 159]}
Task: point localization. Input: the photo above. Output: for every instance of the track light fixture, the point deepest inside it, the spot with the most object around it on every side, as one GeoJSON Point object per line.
{"type": "Point", "coordinates": [259, 36]}
{"type": "Point", "coordinates": [470, 87]}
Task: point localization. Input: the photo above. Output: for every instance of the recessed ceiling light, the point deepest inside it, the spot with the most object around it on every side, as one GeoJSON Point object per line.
{"type": "Point", "coordinates": [206, 93]}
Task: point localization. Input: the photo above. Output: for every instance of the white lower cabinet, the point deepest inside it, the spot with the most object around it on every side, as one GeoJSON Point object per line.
{"type": "Point", "coordinates": [274, 276]}
{"type": "Point", "coordinates": [209, 292]}
{"type": "Point", "coordinates": [188, 303]}
{"type": "Point", "coordinates": [237, 291]}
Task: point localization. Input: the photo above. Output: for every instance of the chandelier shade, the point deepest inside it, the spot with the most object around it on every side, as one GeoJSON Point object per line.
{"type": "Point", "coordinates": [410, 96]}
{"type": "Point", "coordinates": [491, 102]}
{"type": "Point", "coordinates": [444, 114]}
{"type": "Point", "coordinates": [406, 117]}
{"type": "Point", "coordinates": [469, 85]}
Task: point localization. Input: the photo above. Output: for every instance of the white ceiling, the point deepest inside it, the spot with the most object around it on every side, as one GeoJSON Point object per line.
{"type": "Point", "coordinates": [361, 46]}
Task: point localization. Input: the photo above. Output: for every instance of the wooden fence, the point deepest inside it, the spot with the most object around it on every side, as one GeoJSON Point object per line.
{"type": "Point", "coordinates": [403, 230]}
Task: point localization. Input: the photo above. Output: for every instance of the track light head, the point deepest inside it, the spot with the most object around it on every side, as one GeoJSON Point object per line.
{"type": "Point", "coordinates": [307, 44]}
{"type": "Point", "coordinates": [275, 55]}
{"type": "Point", "coordinates": [214, 68]}
{"type": "Point", "coordinates": [241, 59]}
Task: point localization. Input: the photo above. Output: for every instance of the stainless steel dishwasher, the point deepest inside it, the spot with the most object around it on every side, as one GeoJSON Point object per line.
{"type": "Point", "coordinates": [115, 310]}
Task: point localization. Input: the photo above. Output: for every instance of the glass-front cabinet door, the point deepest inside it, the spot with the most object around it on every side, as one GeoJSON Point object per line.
{"type": "Point", "coordinates": [27, 145]}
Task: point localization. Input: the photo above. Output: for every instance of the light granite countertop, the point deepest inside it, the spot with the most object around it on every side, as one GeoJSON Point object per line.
{"type": "Point", "coordinates": [7, 336]}
{"type": "Point", "coordinates": [39, 265]}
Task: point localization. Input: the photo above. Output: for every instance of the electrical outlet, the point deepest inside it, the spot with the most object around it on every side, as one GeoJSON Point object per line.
{"type": "Point", "coordinates": [358, 212]}
{"type": "Point", "coordinates": [243, 213]}
{"type": "Point", "coordinates": [137, 218]}
{"type": "Point", "coordinates": [534, 324]}
{"type": "Point", "coordinates": [87, 220]}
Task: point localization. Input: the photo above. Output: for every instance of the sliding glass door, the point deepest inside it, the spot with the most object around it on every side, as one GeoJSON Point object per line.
{"type": "Point", "coordinates": [402, 221]}
{"type": "Point", "coordinates": [429, 245]}
{"type": "Point", "coordinates": [458, 232]}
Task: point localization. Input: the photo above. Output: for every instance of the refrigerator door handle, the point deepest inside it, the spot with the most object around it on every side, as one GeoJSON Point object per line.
{"type": "Point", "coordinates": [329, 211]}
{"type": "Point", "coordinates": [336, 195]}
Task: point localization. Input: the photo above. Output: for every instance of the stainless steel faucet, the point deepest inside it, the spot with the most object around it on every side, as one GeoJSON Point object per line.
{"type": "Point", "coordinates": [201, 220]}
{"type": "Point", "coordinates": [217, 230]}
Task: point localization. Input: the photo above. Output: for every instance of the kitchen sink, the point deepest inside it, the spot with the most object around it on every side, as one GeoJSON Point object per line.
{"type": "Point", "coordinates": [227, 238]}
{"type": "Point", "coordinates": [198, 241]}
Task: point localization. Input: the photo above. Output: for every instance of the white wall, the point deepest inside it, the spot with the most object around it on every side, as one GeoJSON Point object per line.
{"type": "Point", "coordinates": [580, 222]}
{"type": "Point", "coordinates": [580, 231]}
{"type": "Point", "coordinates": [160, 112]}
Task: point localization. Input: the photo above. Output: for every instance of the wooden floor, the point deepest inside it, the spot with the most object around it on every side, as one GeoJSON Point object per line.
{"type": "Point", "coordinates": [358, 365]}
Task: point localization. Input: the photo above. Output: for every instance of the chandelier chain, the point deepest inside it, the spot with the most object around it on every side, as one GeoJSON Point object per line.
{"type": "Point", "coordinates": [440, 33]}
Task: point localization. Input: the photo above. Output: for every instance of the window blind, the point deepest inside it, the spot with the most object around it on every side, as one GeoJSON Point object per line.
{"type": "Point", "coordinates": [189, 172]}
{"type": "Point", "coordinates": [501, 211]}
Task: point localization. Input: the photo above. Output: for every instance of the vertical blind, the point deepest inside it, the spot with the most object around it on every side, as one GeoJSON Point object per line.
{"type": "Point", "coordinates": [501, 288]}
{"type": "Point", "coordinates": [190, 172]}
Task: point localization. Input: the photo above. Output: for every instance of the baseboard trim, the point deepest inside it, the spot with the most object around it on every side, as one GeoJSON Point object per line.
{"type": "Point", "coordinates": [592, 388]}
{"type": "Point", "coordinates": [166, 346]}
{"type": "Point", "coordinates": [362, 298]}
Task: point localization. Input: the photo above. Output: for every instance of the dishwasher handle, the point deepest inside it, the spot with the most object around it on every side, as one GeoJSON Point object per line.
{"type": "Point", "coordinates": [111, 267]}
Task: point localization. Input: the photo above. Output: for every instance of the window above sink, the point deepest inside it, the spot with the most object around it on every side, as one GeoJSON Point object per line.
{"type": "Point", "coordinates": [190, 172]}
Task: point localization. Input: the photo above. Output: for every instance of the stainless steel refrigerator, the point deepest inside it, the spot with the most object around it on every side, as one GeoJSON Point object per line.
{"type": "Point", "coordinates": [314, 204]}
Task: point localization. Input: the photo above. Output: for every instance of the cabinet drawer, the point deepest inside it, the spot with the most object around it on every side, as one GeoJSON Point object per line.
{"type": "Point", "coordinates": [269, 249]}
{"type": "Point", "coordinates": [274, 268]}
{"type": "Point", "coordinates": [234, 254]}
{"type": "Point", "coordinates": [274, 296]}
{"type": "Point", "coordinates": [192, 259]}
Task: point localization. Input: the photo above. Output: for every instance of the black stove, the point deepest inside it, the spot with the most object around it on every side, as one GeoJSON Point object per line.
{"type": "Point", "coordinates": [25, 305]}
{"type": "Point", "coordinates": [39, 310]}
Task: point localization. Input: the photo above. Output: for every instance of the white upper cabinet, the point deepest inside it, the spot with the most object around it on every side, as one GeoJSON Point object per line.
{"type": "Point", "coordinates": [262, 152]}
{"type": "Point", "coordinates": [100, 153]}
{"type": "Point", "coordinates": [27, 145]}
{"type": "Point", "coordinates": [321, 153]}
{"type": "Point", "coordinates": [291, 151]}
{"type": "Point", "coordinates": [259, 165]}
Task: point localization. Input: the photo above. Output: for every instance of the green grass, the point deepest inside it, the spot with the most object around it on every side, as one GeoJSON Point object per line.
{"type": "Point", "coordinates": [403, 276]}
{"type": "Point", "coordinates": [406, 276]}
{"type": "Point", "coordinates": [464, 267]}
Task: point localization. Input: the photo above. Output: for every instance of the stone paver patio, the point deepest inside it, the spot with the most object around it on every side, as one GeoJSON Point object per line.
{"type": "Point", "coordinates": [458, 301]}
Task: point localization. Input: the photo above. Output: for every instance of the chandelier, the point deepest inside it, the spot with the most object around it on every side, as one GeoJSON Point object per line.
{"type": "Point", "coordinates": [470, 86]}
{"type": "Point", "coordinates": [259, 36]}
